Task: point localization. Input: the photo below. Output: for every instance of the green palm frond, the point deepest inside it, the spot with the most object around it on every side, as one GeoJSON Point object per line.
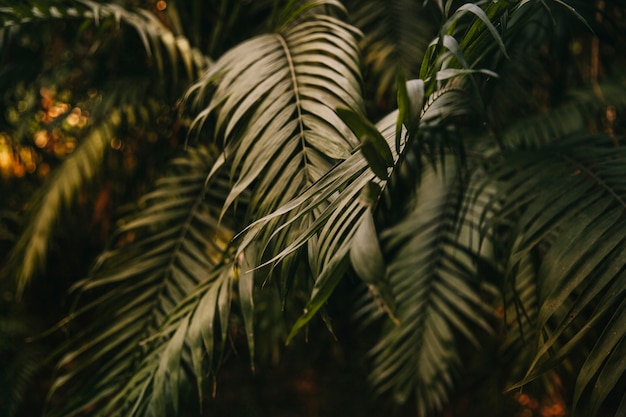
{"type": "Point", "coordinates": [334, 208]}
{"type": "Point", "coordinates": [338, 202]}
{"type": "Point", "coordinates": [520, 309]}
{"type": "Point", "coordinates": [157, 39]}
{"type": "Point", "coordinates": [571, 212]}
{"type": "Point", "coordinates": [281, 133]}
{"type": "Point", "coordinates": [122, 104]}
{"type": "Point", "coordinates": [181, 352]}
{"type": "Point", "coordinates": [282, 128]}
{"type": "Point", "coordinates": [432, 273]}
{"type": "Point", "coordinates": [164, 253]}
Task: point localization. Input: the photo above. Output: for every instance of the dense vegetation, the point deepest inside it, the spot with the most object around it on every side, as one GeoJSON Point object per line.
{"type": "Point", "coordinates": [281, 208]}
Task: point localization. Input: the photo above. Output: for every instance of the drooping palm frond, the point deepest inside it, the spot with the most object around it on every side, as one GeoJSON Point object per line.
{"type": "Point", "coordinates": [83, 165]}
{"type": "Point", "coordinates": [341, 199]}
{"type": "Point", "coordinates": [157, 39]}
{"type": "Point", "coordinates": [287, 188]}
{"type": "Point", "coordinates": [281, 133]}
{"type": "Point", "coordinates": [122, 105]}
{"type": "Point", "coordinates": [281, 128]}
{"type": "Point", "coordinates": [163, 254]}
{"type": "Point", "coordinates": [432, 273]}
{"type": "Point", "coordinates": [570, 197]}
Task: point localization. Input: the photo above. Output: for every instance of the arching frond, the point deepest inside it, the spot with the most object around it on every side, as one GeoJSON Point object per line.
{"type": "Point", "coordinates": [338, 204]}
{"type": "Point", "coordinates": [281, 129]}
{"type": "Point", "coordinates": [571, 199]}
{"type": "Point", "coordinates": [164, 254]}
{"type": "Point", "coordinates": [432, 272]}
{"type": "Point", "coordinates": [122, 104]}
{"type": "Point", "coordinates": [281, 133]}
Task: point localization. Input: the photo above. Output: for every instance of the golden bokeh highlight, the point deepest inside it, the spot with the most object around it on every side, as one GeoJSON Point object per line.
{"type": "Point", "coordinates": [19, 157]}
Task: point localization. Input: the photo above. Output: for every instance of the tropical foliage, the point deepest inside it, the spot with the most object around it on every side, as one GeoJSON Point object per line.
{"type": "Point", "coordinates": [443, 180]}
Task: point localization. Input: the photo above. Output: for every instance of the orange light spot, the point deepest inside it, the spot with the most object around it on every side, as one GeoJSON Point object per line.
{"type": "Point", "coordinates": [41, 138]}
{"type": "Point", "coordinates": [161, 5]}
{"type": "Point", "coordinates": [6, 157]}
{"type": "Point", "coordinates": [73, 119]}
{"type": "Point", "coordinates": [523, 399]}
{"type": "Point", "coordinates": [70, 145]}
{"type": "Point", "coordinates": [43, 170]}
{"type": "Point", "coordinates": [19, 170]}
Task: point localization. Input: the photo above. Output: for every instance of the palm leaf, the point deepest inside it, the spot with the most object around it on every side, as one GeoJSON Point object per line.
{"type": "Point", "coordinates": [334, 207]}
{"type": "Point", "coordinates": [579, 112]}
{"type": "Point", "coordinates": [572, 213]}
{"type": "Point", "coordinates": [338, 201]}
{"type": "Point", "coordinates": [281, 128]}
{"type": "Point", "coordinates": [280, 133]}
{"type": "Point", "coordinates": [165, 253]}
{"type": "Point", "coordinates": [432, 274]}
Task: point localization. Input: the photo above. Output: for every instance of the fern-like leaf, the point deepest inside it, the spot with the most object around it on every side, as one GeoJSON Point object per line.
{"type": "Point", "coordinates": [572, 210]}
{"type": "Point", "coordinates": [166, 252]}
{"type": "Point", "coordinates": [432, 273]}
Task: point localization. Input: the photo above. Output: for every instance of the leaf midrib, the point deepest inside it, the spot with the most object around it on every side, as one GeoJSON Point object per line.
{"type": "Point", "coordinates": [298, 104]}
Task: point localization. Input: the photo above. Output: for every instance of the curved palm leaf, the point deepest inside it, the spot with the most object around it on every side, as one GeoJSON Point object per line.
{"type": "Point", "coordinates": [572, 209]}
{"type": "Point", "coordinates": [122, 104]}
{"type": "Point", "coordinates": [432, 273]}
{"type": "Point", "coordinates": [281, 128]}
{"type": "Point", "coordinates": [338, 203]}
{"type": "Point", "coordinates": [280, 133]}
{"type": "Point", "coordinates": [579, 113]}
{"type": "Point", "coordinates": [165, 253]}
{"type": "Point", "coordinates": [340, 199]}
{"type": "Point", "coordinates": [83, 165]}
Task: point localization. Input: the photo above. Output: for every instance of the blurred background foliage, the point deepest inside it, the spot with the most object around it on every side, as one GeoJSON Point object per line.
{"type": "Point", "coordinates": [67, 76]}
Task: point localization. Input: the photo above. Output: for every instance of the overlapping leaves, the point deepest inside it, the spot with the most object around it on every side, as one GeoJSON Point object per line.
{"type": "Point", "coordinates": [280, 133]}
{"type": "Point", "coordinates": [278, 126]}
{"type": "Point", "coordinates": [573, 201]}
{"type": "Point", "coordinates": [164, 255]}
{"type": "Point", "coordinates": [396, 35]}
{"type": "Point", "coordinates": [432, 272]}
{"type": "Point", "coordinates": [297, 182]}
